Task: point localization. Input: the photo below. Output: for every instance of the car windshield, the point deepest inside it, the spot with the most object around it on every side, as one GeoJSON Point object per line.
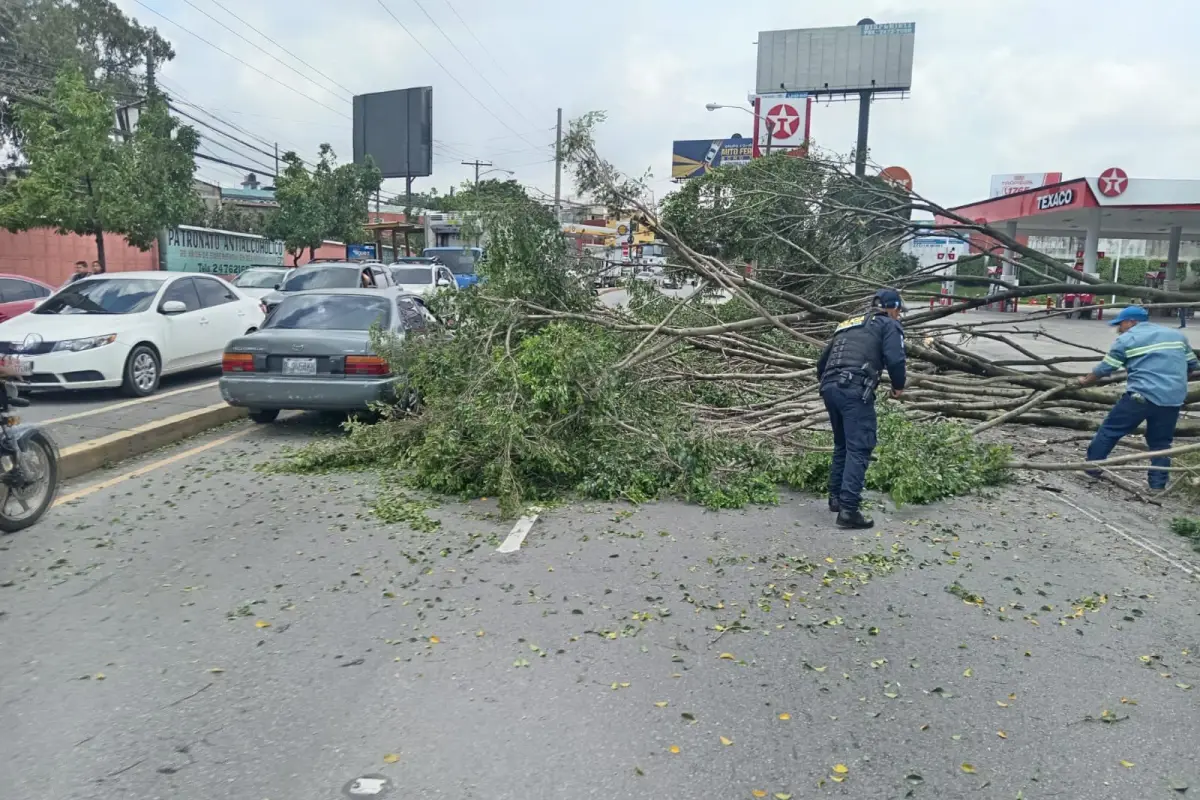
{"type": "Point", "coordinates": [330, 312]}
{"type": "Point", "coordinates": [259, 278]}
{"type": "Point", "coordinates": [323, 278]}
{"type": "Point", "coordinates": [412, 275]}
{"type": "Point", "coordinates": [415, 260]}
{"type": "Point", "coordinates": [460, 262]}
{"type": "Point", "coordinates": [103, 296]}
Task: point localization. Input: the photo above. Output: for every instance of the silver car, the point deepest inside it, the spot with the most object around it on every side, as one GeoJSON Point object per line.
{"type": "Point", "coordinates": [314, 352]}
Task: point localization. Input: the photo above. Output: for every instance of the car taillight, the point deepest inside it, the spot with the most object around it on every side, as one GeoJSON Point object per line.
{"type": "Point", "coordinates": [366, 365]}
{"type": "Point", "coordinates": [237, 362]}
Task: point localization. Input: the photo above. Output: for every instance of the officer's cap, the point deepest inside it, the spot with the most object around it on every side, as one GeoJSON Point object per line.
{"type": "Point", "coordinates": [888, 298]}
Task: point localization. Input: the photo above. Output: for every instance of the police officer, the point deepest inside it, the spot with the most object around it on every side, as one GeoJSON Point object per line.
{"type": "Point", "coordinates": [849, 370]}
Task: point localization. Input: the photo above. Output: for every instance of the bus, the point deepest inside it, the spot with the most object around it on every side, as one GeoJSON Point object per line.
{"type": "Point", "coordinates": [460, 260]}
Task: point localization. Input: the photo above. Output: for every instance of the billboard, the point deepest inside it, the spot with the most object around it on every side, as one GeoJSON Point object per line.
{"type": "Point", "coordinates": [396, 129]}
{"type": "Point", "coordinates": [784, 118]}
{"type": "Point", "coordinates": [692, 158]}
{"type": "Point", "coordinates": [836, 60]}
{"type": "Point", "coordinates": [190, 249]}
{"type": "Point", "coordinates": [936, 255]}
{"type": "Point", "coordinates": [1022, 182]}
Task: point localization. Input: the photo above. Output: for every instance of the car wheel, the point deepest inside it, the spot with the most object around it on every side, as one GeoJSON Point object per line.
{"type": "Point", "coordinates": [142, 372]}
{"type": "Point", "coordinates": [264, 416]}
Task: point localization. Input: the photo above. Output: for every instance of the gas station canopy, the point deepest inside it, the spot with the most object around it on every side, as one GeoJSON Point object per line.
{"type": "Point", "coordinates": [1122, 207]}
{"type": "Point", "coordinates": [1112, 205]}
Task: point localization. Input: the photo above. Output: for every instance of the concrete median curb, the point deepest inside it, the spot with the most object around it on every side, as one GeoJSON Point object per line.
{"type": "Point", "coordinates": [80, 459]}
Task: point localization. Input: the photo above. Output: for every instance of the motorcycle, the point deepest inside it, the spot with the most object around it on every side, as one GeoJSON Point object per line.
{"type": "Point", "coordinates": [28, 466]}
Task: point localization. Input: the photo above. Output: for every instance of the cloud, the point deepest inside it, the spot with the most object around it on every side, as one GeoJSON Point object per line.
{"type": "Point", "coordinates": [1007, 86]}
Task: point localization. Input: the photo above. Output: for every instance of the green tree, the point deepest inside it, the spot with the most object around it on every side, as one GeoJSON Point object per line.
{"type": "Point", "coordinates": [38, 38]}
{"type": "Point", "coordinates": [83, 179]}
{"type": "Point", "coordinates": [327, 202]}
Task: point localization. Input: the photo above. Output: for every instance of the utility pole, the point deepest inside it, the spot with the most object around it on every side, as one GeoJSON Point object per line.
{"type": "Point", "coordinates": [476, 164]}
{"type": "Point", "coordinates": [558, 169]}
{"type": "Point", "coordinates": [864, 124]}
{"type": "Point", "coordinates": [277, 165]}
{"type": "Point", "coordinates": [151, 88]}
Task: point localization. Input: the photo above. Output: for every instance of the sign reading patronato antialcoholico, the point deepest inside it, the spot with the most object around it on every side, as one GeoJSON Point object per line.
{"type": "Point", "coordinates": [190, 249]}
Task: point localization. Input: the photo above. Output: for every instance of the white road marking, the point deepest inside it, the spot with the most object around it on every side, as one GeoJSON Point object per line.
{"type": "Point", "coordinates": [126, 404]}
{"type": "Point", "coordinates": [517, 535]}
{"type": "Point", "coordinates": [1153, 549]}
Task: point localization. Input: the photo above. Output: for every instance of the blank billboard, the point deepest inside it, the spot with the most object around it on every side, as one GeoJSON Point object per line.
{"type": "Point", "coordinates": [835, 60]}
{"type": "Point", "coordinates": [396, 130]}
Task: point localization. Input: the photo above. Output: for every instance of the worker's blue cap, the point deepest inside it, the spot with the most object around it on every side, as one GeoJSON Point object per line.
{"type": "Point", "coordinates": [888, 298]}
{"type": "Point", "coordinates": [1135, 313]}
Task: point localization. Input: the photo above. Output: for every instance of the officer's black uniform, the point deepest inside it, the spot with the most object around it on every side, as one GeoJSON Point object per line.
{"type": "Point", "coordinates": [849, 370]}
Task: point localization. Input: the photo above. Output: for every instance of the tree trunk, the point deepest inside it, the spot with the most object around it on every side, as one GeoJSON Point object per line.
{"type": "Point", "coordinates": [100, 250]}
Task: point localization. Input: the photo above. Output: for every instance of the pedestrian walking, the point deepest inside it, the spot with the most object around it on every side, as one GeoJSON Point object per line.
{"type": "Point", "coordinates": [1183, 315]}
{"type": "Point", "coordinates": [849, 369]}
{"type": "Point", "coordinates": [81, 272]}
{"type": "Point", "coordinates": [1159, 362]}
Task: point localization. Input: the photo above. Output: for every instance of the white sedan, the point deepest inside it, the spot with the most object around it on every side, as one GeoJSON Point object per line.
{"type": "Point", "coordinates": [422, 277]}
{"type": "Point", "coordinates": [128, 329]}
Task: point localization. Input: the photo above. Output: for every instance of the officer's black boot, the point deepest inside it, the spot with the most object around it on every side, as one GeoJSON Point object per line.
{"type": "Point", "coordinates": [853, 520]}
{"type": "Point", "coordinates": [834, 505]}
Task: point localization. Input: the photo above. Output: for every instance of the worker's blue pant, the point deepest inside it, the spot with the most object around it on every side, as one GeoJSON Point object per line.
{"type": "Point", "coordinates": [854, 431]}
{"type": "Point", "coordinates": [1127, 414]}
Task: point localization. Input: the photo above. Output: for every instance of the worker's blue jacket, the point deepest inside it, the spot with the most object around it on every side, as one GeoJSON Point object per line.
{"type": "Point", "coordinates": [1158, 360]}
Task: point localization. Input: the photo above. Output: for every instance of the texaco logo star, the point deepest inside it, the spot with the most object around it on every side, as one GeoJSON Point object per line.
{"type": "Point", "coordinates": [784, 121]}
{"type": "Point", "coordinates": [1113, 182]}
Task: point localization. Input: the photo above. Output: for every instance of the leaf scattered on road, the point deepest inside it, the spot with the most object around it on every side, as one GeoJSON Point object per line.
{"type": "Point", "coordinates": [727, 656]}
{"type": "Point", "coordinates": [725, 740]}
{"type": "Point", "coordinates": [391, 758]}
{"type": "Point", "coordinates": [968, 768]}
{"type": "Point", "coordinates": [674, 749]}
{"type": "Point", "coordinates": [785, 716]}
{"type": "Point", "coordinates": [1127, 764]}
{"type": "Point", "coordinates": [262, 623]}
{"type": "Point", "coordinates": [840, 769]}
{"type": "Point", "coordinates": [661, 704]}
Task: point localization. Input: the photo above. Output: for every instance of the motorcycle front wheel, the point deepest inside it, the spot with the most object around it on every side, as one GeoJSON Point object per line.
{"type": "Point", "coordinates": [22, 506]}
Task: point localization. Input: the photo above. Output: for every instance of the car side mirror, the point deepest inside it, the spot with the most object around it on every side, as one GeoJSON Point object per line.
{"type": "Point", "coordinates": [443, 283]}
{"type": "Point", "coordinates": [172, 307]}
{"type": "Point", "coordinates": [277, 286]}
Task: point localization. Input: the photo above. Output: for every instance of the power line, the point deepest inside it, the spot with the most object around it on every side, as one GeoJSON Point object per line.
{"type": "Point", "coordinates": [216, 160]}
{"type": "Point", "coordinates": [240, 61]}
{"type": "Point", "coordinates": [260, 167]}
{"type": "Point", "coordinates": [469, 62]}
{"type": "Point", "coordinates": [264, 52]}
{"type": "Point", "coordinates": [443, 67]}
{"type": "Point", "coordinates": [211, 127]}
{"type": "Point", "coordinates": [281, 47]}
{"type": "Point", "coordinates": [482, 46]}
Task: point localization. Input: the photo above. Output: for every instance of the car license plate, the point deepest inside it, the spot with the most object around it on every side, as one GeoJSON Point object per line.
{"type": "Point", "coordinates": [299, 366]}
{"type": "Point", "coordinates": [26, 368]}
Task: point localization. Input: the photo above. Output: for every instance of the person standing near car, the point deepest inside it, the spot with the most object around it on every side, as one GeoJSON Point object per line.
{"type": "Point", "coordinates": [849, 369]}
{"type": "Point", "coordinates": [1159, 362]}
{"type": "Point", "coordinates": [81, 272]}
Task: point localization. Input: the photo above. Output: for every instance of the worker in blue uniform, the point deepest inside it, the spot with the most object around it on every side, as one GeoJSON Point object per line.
{"type": "Point", "coordinates": [849, 369]}
{"type": "Point", "coordinates": [1159, 362]}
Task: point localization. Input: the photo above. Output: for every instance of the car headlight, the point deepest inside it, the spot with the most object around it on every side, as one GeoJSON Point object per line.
{"type": "Point", "coordinates": [90, 343]}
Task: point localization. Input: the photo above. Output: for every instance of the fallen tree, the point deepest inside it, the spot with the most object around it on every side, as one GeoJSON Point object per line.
{"type": "Point", "coordinates": [712, 395]}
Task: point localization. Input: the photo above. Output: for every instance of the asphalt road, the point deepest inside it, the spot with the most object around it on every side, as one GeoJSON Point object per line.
{"type": "Point", "coordinates": [203, 630]}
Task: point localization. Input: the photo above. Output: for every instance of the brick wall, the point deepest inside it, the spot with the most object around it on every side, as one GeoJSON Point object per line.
{"type": "Point", "coordinates": [50, 257]}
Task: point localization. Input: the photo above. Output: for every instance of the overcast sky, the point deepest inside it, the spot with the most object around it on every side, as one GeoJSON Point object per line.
{"type": "Point", "coordinates": [999, 86]}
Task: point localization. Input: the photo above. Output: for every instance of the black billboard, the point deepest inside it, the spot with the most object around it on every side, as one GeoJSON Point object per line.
{"type": "Point", "coordinates": [396, 129]}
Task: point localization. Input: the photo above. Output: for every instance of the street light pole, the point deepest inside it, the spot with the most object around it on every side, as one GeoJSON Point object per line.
{"type": "Point", "coordinates": [767, 120]}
